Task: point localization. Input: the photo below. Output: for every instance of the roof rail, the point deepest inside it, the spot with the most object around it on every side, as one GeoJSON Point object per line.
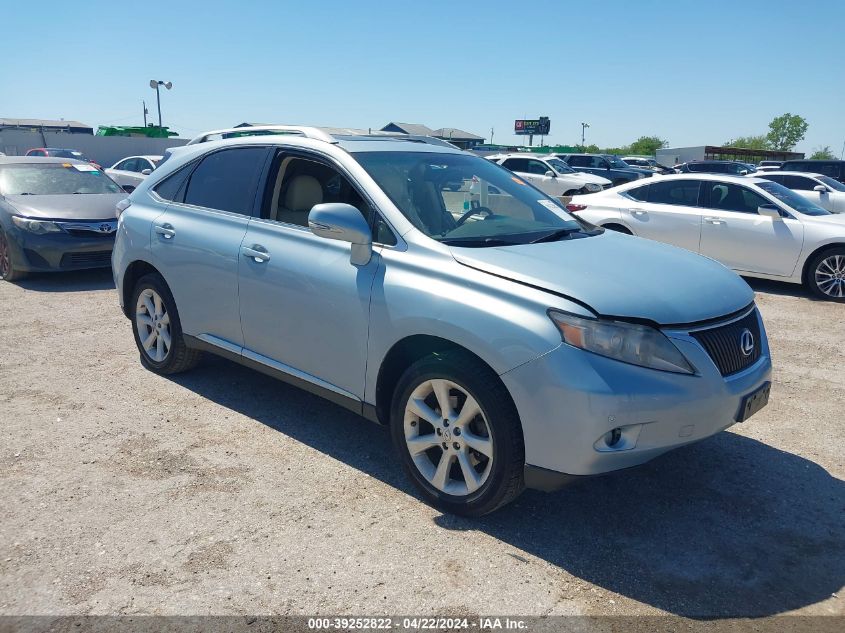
{"type": "Point", "coordinates": [261, 130]}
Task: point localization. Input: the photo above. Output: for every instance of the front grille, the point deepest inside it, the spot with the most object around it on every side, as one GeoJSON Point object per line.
{"type": "Point", "coordinates": [90, 233]}
{"type": "Point", "coordinates": [97, 258]}
{"type": "Point", "coordinates": [724, 343]}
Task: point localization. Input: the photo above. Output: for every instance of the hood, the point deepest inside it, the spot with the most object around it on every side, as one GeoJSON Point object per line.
{"type": "Point", "coordinates": [83, 206]}
{"type": "Point", "coordinates": [836, 219]}
{"type": "Point", "coordinates": [620, 276]}
{"type": "Point", "coordinates": [584, 176]}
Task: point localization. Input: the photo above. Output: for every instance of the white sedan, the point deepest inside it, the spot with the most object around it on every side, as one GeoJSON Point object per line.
{"type": "Point", "coordinates": [551, 175]}
{"type": "Point", "coordinates": [823, 190]}
{"type": "Point", "coordinates": [133, 169]}
{"type": "Point", "coordinates": [757, 227]}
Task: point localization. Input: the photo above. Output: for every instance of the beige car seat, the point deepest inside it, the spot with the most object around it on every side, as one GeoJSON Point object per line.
{"type": "Point", "coordinates": [302, 193]}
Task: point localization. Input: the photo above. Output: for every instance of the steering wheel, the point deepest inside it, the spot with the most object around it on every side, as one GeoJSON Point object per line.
{"type": "Point", "coordinates": [471, 213]}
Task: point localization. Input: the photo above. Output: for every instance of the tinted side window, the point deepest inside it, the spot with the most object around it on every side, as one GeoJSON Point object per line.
{"type": "Point", "coordinates": [172, 187]}
{"type": "Point", "coordinates": [730, 197]}
{"type": "Point", "coordinates": [227, 180]}
{"type": "Point", "coordinates": [775, 178]}
{"type": "Point", "coordinates": [799, 183]}
{"type": "Point", "coordinates": [679, 192]}
{"type": "Point", "coordinates": [131, 165]}
{"type": "Point", "coordinates": [536, 167]}
{"type": "Point", "coordinates": [516, 164]}
{"type": "Point", "coordinates": [580, 161]}
{"type": "Point", "coordinates": [640, 194]}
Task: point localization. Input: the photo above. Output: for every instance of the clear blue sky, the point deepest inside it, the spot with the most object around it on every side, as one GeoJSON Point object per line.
{"type": "Point", "coordinates": [691, 72]}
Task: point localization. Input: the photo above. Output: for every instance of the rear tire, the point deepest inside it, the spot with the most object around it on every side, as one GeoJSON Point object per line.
{"type": "Point", "coordinates": [826, 274]}
{"type": "Point", "coordinates": [480, 438]}
{"type": "Point", "coordinates": [157, 329]}
{"type": "Point", "coordinates": [8, 272]}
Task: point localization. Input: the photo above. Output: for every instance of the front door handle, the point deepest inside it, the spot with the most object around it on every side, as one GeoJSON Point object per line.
{"type": "Point", "coordinates": [714, 221]}
{"type": "Point", "coordinates": [257, 252]}
{"type": "Point", "coordinates": [165, 230]}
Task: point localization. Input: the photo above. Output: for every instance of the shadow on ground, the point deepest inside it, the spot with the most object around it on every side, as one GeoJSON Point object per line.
{"type": "Point", "coordinates": [727, 527]}
{"type": "Point", "coordinates": [69, 281]}
{"type": "Point", "coordinates": [780, 288]}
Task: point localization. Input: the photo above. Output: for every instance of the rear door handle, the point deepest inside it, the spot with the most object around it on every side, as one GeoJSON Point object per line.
{"type": "Point", "coordinates": [714, 221]}
{"type": "Point", "coordinates": [257, 252]}
{"type": "Point", "coordinates": [638, 211]}
{"type": "Point", "coordinates": [165, 230]}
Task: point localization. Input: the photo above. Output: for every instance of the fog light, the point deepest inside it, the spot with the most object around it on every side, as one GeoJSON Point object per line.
{"type": "Point", "coordinates": [612, 438]}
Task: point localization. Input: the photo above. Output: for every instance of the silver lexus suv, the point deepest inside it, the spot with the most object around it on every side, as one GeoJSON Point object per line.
{"type": "Point", "coordinates": [504, 342]}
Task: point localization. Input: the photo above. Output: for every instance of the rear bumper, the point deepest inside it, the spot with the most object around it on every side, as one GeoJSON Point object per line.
{"type": "Point", "coordinates": [59, 251]}
{"type": "Point", "coordinates": [568, 400]}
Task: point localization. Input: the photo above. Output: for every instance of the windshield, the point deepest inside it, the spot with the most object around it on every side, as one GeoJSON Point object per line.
{"type": "Point", "coordinates": [830, 182]}
{"type": "Point", "coordinates": [791, 199]}
{"type": "Point", "coordinates": [465, 200]}
{"type": "Point", "coordinates": [54, 179]}
{"type": "Point", "coordinates": [617, 163]}
{"type": "Point", "coordinates": [559, 166]}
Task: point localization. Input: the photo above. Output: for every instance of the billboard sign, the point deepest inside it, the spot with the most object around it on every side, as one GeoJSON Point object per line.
{"type": "Point", "coordinates": [526, 127]}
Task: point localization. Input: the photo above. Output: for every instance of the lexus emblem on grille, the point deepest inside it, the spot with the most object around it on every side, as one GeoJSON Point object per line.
{"type": "Point", "coordinates": [105, 228]}
{"type": "Point", "coordinates": [746, 342]}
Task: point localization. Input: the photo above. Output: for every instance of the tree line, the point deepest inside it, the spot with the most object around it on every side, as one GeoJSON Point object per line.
{"type": "Point", "coordinates": [785, 132]}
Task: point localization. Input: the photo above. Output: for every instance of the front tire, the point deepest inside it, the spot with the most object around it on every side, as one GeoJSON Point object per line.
{"type": "Point", "coordinates": [8, 272]}
{"type": "Point", "coordinates": [458, 434]}
{"type": "Point", "coordinates": [826, 275]}
{"type": "Point", "coordinates": [157, 330]}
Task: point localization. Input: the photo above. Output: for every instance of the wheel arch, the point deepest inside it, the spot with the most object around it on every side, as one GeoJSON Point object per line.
{"type": "Point", "coordinates": [131, 275]}
{"type": "Point", "coordinates": [617, 226]}
{"type": "Point", "coordinates": [809, 259]}
{"type": "Point", "coordinates": [402, 355]}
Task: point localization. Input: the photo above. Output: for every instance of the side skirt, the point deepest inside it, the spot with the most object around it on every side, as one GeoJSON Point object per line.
{"type": "Point", "coordinates": [355, 405]}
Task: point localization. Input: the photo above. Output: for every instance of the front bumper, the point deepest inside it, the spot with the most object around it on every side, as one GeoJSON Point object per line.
{"type": "Point", "coordinates": [52, 252]}
{"type": "Point", "coordinates": [569, 399]}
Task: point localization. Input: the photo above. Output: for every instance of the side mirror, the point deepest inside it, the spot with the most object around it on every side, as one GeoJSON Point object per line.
{"type": "Point", "coordinates": [549, 174]}
{"type": "Point", "coordinates": [343, 222]}
{"type": "Point", "coordinates": [146, 172]}
{"type": "Point", "coordinates": [128, 188]}
{"type": "Point", "coordinates": [820, 188]}
{"type": "Point", "coordinates": [770, 211]}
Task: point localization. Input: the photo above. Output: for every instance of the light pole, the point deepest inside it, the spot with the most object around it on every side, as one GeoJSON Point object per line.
{"type": "Point", "coordinates": [584, 126]}
{"type": "Point", "coordinates": [155, 84]}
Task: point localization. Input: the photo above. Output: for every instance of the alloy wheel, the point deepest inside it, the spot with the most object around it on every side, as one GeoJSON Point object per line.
{"type": "Point", "coordinates": [153, 324]}
{"type": "Point", "coordinates": [448, 437]}
{"type": "Point", "coordinates": [830, 276]}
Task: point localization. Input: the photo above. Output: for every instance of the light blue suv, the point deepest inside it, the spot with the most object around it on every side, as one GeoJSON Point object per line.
{"type": "Point", "coordinates": [503, 341]}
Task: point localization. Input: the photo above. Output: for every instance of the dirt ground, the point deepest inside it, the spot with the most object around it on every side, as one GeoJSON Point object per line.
{"type": "Point", "coordinates": [223, 491]}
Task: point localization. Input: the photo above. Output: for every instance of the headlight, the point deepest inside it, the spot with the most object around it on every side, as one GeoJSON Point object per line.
{"type": "Point", "coordinates": [591, 186]}
{"type": "Point", "coordinates": [626, 342]}
{"type": "Point", "coordinates": [35, 226]}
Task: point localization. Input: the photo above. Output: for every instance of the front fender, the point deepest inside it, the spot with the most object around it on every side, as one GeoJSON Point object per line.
{"type": "Point", "coordinates": [502, 322]}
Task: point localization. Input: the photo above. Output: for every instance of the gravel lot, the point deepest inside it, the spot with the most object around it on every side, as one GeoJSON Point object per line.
{"type": "Point", "coordinates": [223, 491]}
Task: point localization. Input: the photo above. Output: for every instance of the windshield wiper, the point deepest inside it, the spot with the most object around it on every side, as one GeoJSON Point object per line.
{"type": "Point", "coordinates": [476, 241]}
{"type": "Point", "coordinates": [553, 236]}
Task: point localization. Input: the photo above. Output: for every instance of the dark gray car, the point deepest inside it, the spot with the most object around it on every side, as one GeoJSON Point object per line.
{"type": "Point", "coordinates": [607, 166]}
{"type": "Point", "coordinates": [55, 214]}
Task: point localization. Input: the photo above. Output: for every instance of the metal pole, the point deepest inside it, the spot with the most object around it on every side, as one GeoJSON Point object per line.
{"type": "Point", "coordinates": [158, 100]}
{"type": "Point", "coordinates": [144, 103]}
